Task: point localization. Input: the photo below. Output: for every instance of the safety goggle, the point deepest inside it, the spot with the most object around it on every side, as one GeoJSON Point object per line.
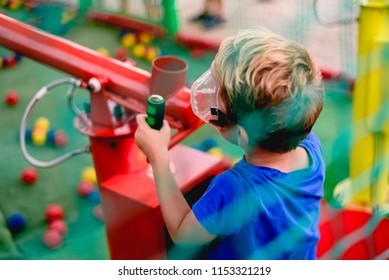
{"type": "Point", "coordinates": [206, 101]}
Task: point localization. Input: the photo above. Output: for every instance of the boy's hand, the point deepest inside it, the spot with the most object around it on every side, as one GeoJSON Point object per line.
{"type": "Point", "coordinates": [153, 143]}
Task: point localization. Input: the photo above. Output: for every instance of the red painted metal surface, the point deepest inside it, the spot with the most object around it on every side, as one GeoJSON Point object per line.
{"type": "Point", "coordinates": [127, 23]}
{"type": "Point", "coordinates": [193, 42]}
{"type": "Point", "coordinates": [133, 218]}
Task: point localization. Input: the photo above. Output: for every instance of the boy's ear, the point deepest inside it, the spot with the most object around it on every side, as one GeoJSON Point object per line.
{"type": "Point", "coordinates": [235, 134]}
{"type": "Point", "coordinates": [243, 138]}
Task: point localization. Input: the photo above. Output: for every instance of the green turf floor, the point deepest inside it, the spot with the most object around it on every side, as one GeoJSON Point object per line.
{"type": "Point", "coordinates": [86, 236]}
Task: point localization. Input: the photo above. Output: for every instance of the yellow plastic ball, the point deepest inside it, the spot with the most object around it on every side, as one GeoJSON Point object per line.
{"type": "Point", "coordinates": [89, 174]}
{"type": "Point", "coordinates": [38, 138]}
{"type": "Point", "coordinates": [139, 51]}
{"type": "Point", "coordinates": [146, 38]}
{"type": "Point", "coordinates": [14, 5]}
{"type": "Point", "coordinates": [103, 51]}
{"type": "Point", "coordinates": [43, 123]}
{"type": "Point", "coordinates": [1, 63]}
{"type": "Point", "coordinates": [128, 40]}
{"type": "Point", "coordinates": [216, 152]}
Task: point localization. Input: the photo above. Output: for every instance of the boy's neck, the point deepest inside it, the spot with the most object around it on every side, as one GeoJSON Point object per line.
{"type": "Point", "coordinates": [284, 162]}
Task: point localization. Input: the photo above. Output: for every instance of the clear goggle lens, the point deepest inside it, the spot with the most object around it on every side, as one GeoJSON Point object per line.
{"type": "Point", "coordinates": [206, 102]}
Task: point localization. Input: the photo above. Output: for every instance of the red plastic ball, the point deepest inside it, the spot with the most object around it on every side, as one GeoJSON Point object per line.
{"type": "Point", "coordinates": [29, 176]}
{"type": "Point", "coordinates": [10, 61]}
{"type": "Point", "coordinates": [12, 98]}
{"type": "Point", "coordinates": [54, 212]}
{"type": "Point", "coordinates": [58, 225]}
{"type": "Point", "coordinates": [52, 239]}
{"type": "Point", "coordinates": [60, 138]}
{"type": "Point", "coordinates": [121, 54]}
{"type": "Point", "coordinates": [85, 188]}
{"type": "Point", "coordinates": [98, 212]}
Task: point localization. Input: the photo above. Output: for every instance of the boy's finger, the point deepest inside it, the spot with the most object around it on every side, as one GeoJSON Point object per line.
{"type": "Point", "coordinates": [141, 119]}
{"type": "Point", "coordinates": [165, 123]}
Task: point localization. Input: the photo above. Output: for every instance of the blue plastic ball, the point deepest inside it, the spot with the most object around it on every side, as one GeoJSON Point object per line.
{"type": "Point", "coordinates": [94, 197]}
{"type": "Point", "coordinates": [209, 143]}
{"type": "Point", "coordinates": [28, 134]}
{"type": "Point", "coordinates": [51, 136]}
{"type": "Point", "coordinates": [16, 223]}
{"type": "Point", "coordinates": [18, 56]}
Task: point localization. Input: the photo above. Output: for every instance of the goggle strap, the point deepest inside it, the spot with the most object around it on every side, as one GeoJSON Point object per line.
{"type": "Point", "coordinates": [222, 119]}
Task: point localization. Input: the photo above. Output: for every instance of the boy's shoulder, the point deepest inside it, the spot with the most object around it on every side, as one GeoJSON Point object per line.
{"type": "Point", "coordinates": [231, 179]}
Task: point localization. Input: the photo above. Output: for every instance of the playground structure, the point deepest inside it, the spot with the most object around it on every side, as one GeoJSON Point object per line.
{"type": "Point", "coordinates": [358, 231]}
{"type": "Point", "coordinates": [368, 182]}
{"type": "Point", "coordinates": [140, 234]}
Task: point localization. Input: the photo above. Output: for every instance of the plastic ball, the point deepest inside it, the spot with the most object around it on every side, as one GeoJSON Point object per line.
{"type": "Point", "coordinates": [52, 239]}
{"type": "Point", "coordinates": [54, 212]}
{"type": "Point", "coordinates": [103, 51]}
{"type": "Point", "coordinates": [38, 138]}
{"type": "Point", "coordinates": [50, 136]}
{"type": "Point", "coordinates": [94, 196]}
{"type": "Point", "coordinates": [29, 176]}
{"type": "Point", "coordinates": [216, 152]}
{"type": "Point", "coordinates": [9, 61]}
{"type": "Point", "coordinates": [151, 53]}
{"type": "Point", "coordinates": [145, 37]}
{"type": "Point", "coordinates": [85, 188]}
{"type": "Point", "coordinates": [98, 212]}
{"type": "Point", "coordinates": [28, 134]}
{"type": "Point", "coordinates": [1, 62]}
{"type": "Point", "coordinates": [59, 225]}
{"type": "Point", "coordinates": [139, 50]}
{"type": "Point", "coordinates": [14, 5]}
{"type": "Point", "coordinates": [16, 223]}
{"type": "Point", "coordinates": [43, 123]}
{"type": "Point", "coordinates": [18, 56]}
{"type": "Point", "coordinates": [89, 174]}
{"type": "Point", "coordinates": [128, 40]}
{"type": "Point", "coordinates": [209, 143]}
{"type": "Point", "coordinates": [12, 98]}
{"type": "Point", "coordinates": [121, 54]}
{"type": "Point", "coordinates": [60, 139]}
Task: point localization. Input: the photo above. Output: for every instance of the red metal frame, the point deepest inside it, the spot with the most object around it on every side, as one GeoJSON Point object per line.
{"type": "Point", "coordinates": [126, 23]}
{"type": "Point", "coordinates": [133, 220]}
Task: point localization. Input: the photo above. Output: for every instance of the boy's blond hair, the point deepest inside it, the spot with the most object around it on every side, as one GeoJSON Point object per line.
{"type": "Point", "coordinates": [270, 86]}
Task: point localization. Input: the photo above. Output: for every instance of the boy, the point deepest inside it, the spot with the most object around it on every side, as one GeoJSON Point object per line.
{"type": "Point", "coordinates": [264, 94]}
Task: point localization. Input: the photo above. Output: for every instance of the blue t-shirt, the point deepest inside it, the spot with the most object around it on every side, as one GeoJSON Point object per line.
{"type": "Point", "coordinates": [262, 213]}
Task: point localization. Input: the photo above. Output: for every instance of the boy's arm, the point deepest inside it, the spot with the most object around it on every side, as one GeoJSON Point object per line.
{"type": "Point", "coordinates": [180, 221]}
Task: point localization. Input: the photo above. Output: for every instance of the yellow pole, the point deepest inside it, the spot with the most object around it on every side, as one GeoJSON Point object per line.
{"type": "Point", "coordinates": [368, 182]}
